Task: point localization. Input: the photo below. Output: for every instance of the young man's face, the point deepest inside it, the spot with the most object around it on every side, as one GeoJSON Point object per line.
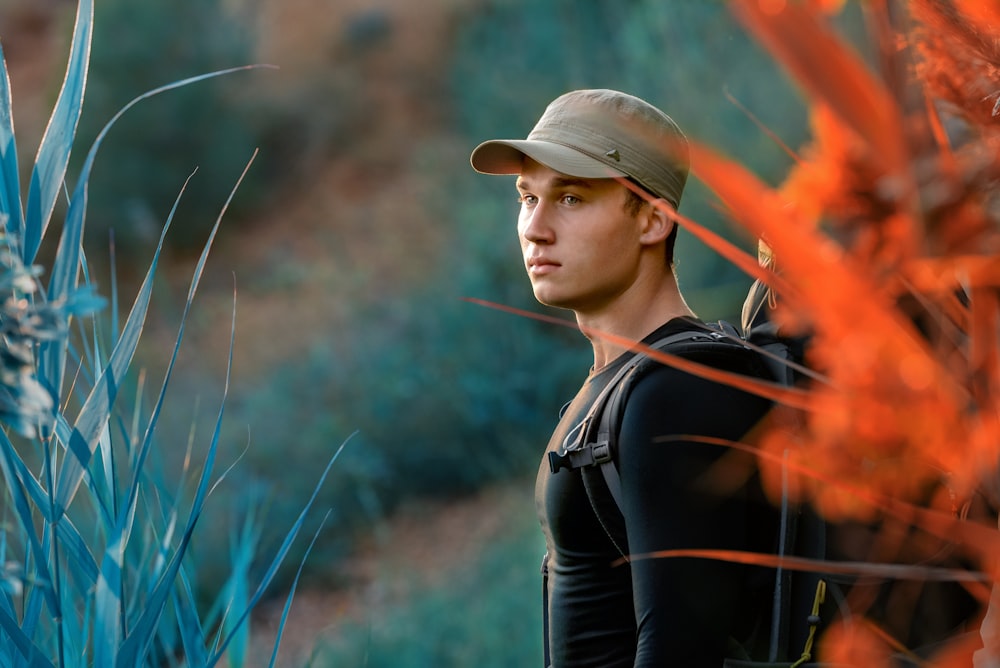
{"type": "Point", "coordinates": [581, 247]}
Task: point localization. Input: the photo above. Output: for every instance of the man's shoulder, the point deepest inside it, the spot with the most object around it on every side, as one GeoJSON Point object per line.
{"type": "Point", "coordinates": [657, 384]}
{"type": "Point", "coordinates": [665, 399]}
{"type": "Point", "coordinates": [717, 345]}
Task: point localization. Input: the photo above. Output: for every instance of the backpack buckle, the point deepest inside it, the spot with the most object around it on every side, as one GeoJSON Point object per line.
{"type": "Point", "coordinates": [590, 454]}
{"type": "Point", "coordinates": [557, 461]}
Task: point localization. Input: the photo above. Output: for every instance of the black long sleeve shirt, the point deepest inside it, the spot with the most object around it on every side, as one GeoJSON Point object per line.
{"type": "Point", "coordinates": [661, 611]}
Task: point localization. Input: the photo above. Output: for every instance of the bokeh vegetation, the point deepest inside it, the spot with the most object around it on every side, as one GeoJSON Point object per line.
{"type": "Point", "coordinates": [150, 154]}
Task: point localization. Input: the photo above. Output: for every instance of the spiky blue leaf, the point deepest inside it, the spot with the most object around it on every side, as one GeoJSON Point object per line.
{"type": "Point", "coordinates": [9, 460]}
{"type": "Point", "coordinates": [108, 602]}
{"type": "Point", "coordinates": [93, 417]}
{"type": "Point", "coordinates": [10, 180]}
{"type": "Point", "coordinates": [28, 653]}
{"type": "Point", "coordinates": [136, 645]}
{"type": "Point", "coordinates": [279, 558]}
{"type": "Point", "coordinates": [53, 153]}
{"type": "Point", "coordinates": [66, 265]}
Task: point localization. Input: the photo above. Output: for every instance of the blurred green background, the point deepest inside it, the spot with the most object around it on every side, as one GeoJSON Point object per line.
{"type": "Point", "coordinates": [358, 231]}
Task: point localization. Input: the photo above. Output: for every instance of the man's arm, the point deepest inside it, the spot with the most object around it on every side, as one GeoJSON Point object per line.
{"type": "Point", "coordinates": [685, 608]}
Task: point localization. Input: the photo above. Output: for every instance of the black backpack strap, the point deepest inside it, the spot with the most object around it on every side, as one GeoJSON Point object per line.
{"type": "Point", "coordinates": [545, 611]}
{"type": "Point", "coordinates": [594, 445]}
{"type": "Point", "coordinates": [579, 449]}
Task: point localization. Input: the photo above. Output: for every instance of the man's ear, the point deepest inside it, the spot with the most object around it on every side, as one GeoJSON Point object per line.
{"type": "Point", "coordinates": [657, 224]}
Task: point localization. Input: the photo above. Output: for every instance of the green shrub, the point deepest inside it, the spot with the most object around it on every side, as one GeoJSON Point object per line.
{"type": "Point", "coordinates": [211, 127]}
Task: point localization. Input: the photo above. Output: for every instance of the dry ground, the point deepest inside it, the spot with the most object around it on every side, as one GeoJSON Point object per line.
{"type": "Point", "coordinates": [418, 548]}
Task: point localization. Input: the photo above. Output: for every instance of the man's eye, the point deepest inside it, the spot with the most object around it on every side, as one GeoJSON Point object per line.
{"type": "Point", "coordinates": [572, 200]}
{"type": "Point", "coordinates": [525, 198]}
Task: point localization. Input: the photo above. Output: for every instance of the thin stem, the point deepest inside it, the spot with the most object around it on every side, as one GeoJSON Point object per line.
{"type": "Point", "coordinates": [56, 571]}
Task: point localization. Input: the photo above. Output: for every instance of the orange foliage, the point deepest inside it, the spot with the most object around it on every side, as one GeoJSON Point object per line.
{"type": "Point", "coordinates": [890, 241]}
{"type": "Point", "coordinates": [887, 233]}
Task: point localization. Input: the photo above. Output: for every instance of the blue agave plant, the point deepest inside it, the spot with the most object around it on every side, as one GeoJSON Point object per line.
{"type": "Point", "coordinates": [94, 569]}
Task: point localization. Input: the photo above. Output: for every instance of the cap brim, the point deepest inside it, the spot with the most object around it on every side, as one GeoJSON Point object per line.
{"type": "Point", "coordinates": [506, 156]}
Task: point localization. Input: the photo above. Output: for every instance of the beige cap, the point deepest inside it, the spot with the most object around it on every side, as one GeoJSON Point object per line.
{"type": "Point", "coordinates": [596, 134]}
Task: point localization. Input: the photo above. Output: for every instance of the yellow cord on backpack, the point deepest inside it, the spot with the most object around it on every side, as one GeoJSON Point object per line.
{"type": "Point", "coordinates": [814, 621]}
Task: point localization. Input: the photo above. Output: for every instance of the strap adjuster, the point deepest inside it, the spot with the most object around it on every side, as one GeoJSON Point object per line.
{"type": "Point", "coordinates": [601, 451]}
{"type": "Point", "coordinates": [590, 454]}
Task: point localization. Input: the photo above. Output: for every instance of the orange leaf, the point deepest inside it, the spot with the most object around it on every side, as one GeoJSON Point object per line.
{"type": "Point", "coordinates": [830, 72]}
{"type": "Point", "coordinates": [855, 644]}
{"type": "Point", "coordinates": [984, 13]}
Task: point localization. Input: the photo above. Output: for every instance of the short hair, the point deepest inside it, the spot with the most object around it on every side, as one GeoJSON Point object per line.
{"type": "Point", "coordinates": [633, 204]}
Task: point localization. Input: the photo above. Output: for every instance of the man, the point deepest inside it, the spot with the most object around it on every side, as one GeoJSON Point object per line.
{"type": "Point", "coordinates": [591, 245]}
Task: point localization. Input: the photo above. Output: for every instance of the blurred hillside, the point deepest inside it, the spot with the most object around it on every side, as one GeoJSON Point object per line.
{"type": "Point", "coordinates": [360, 226]}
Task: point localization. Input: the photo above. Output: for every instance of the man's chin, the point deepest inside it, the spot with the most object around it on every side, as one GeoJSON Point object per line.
{"type": "Point", "coordinates": [554, 301]}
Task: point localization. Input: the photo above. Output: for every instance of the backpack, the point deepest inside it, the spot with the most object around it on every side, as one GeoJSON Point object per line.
{"type": "Point", "coordinates": [797, 596]}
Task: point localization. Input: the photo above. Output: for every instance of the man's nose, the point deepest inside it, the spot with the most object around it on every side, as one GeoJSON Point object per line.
{"type": "Point", "coordinates": [536, 224]}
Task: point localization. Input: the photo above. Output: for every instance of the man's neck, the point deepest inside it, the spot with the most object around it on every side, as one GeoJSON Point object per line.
{"type": "Point", "coordinates": [629, 320]}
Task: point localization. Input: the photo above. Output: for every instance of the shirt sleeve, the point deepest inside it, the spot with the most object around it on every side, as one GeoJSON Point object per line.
{"type": "Point", "coordinates": [678, 493]}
